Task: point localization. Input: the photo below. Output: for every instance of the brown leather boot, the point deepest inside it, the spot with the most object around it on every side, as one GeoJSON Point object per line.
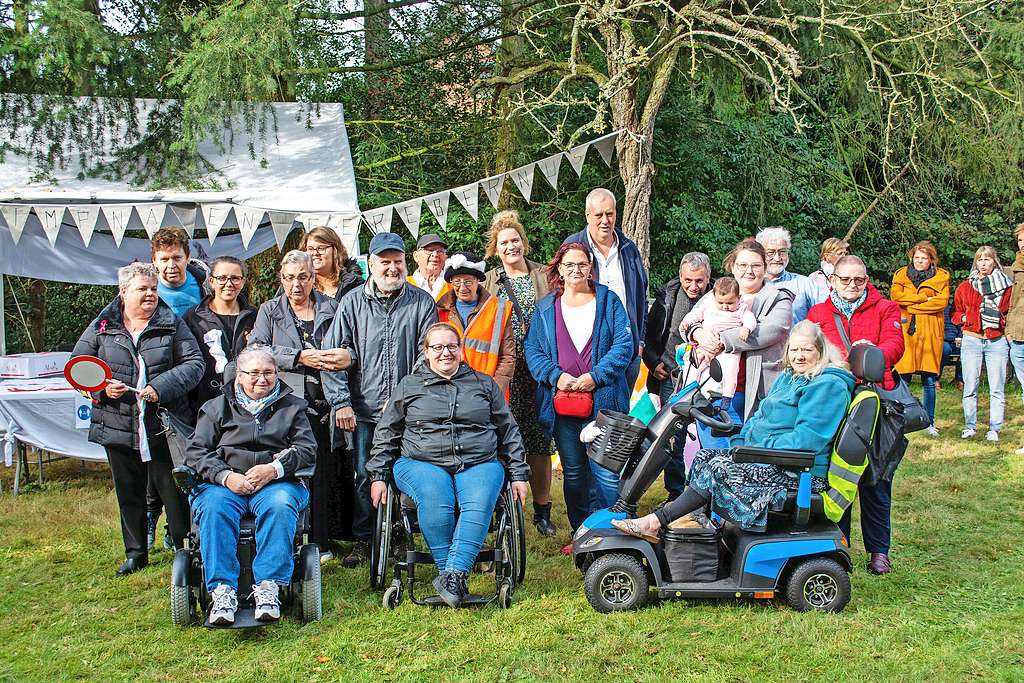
{"type": "Point", "coordinates": [879, 564]}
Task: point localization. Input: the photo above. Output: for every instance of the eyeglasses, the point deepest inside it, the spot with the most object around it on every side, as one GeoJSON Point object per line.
{"type": "Point", "coordinates": [318, 250]}
{"type": "Point", "coordinates": [468, 283]}
{"type": "Point", "coordinates": [748, 266]}
{"type": "Point", "coordinates": [233, 279]}
{"type": "Point", "coordinates": [772, 253]}
{"type": "Point", "coordinates": [301, 277]}
{"type": "Point", "coordinates": [859, 281]}
{"type": "Point", "coordinates": [582, 266]}
{"type": "Point", "coordinates": [438, 348]}
{"type": "Point", "coordinates": [265, 374]}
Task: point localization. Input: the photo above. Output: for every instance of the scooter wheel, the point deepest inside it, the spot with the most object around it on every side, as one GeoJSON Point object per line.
{"type": "Point", "coordinates": [616, 583]}
{"type": "Point", "coordinates": [819, 584]}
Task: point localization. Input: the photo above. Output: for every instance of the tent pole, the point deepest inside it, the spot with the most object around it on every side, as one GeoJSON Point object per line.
{"type": "Point", "coordinates": [3, 319]}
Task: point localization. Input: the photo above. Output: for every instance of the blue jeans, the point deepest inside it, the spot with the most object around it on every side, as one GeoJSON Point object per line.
{"type": "Point", "coordinates": [587, 486]}
{"type": "Point", "coordinates": [735, 410]}
{"type": "Point", "coordinates": [675, 470]}
{"type": "Point", "coordinates": [991, 352]}
{"type": "Point", "coordinates": [362, 508]}
{"type": "Point", "coordinates": [1017, 359]}
{"type": "Point", "coordinates": [454, 543]}
{"type": "Point", "coordinates": [928, 394]}
{"type": "Point", "coordinates": [218, 512]}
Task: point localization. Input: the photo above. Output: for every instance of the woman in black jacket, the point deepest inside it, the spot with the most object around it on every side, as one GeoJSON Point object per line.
{"type": "Point", "coordinates": [449, 438]}
{"type": "Point", "coordinates": [336, 273]}
{"type": "Point", "coordinates": [221, 323]}
{"type": "Point", "coordinates": [251, 445]}
{"type": "Point", "coordinates": [152, 351]}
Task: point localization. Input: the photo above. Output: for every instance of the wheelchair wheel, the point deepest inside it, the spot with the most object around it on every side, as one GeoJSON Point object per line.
{"type": "Point", "coordinates": [514, 542]}
{"type": "Point", "coordinates": [312, 595]}
{"type": "Point", "coordinates": [505, 595]}
{"type": "Point", "coordinates": [819, 584]}
{"type": "Point", "coordinates": [380, 551]}
{"type": "Point", "coordinates": [616, 583]}
{"type": "Point", "coordinates": [392, 596]}
{"type": "Point", "coordinates": [183, 606]}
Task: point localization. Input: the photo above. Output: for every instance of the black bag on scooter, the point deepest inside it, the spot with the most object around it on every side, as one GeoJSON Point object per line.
{"type": "Point", "coordinates": [693, 554]}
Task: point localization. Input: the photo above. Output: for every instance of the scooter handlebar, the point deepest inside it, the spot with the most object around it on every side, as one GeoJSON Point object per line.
{"type": "Point", "coordinates": [723, 425]}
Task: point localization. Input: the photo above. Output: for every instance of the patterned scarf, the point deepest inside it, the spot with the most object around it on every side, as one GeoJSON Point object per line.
{"type": "Point", "coordinates": [847, 308]}
{"type": "Point", "coordinates": [919, 276]}
{"type": "Point", "coordinates": [254, 406]}
{"type": "Point", "coordinates": [991, 289]}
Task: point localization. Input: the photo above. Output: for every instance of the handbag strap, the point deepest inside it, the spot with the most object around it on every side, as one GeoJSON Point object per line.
{"type": "Point", "coordinates": [842, 332]}
{"type": "Point", "coordinates": [507, 286]}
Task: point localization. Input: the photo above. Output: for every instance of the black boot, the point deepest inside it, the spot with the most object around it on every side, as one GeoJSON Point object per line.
{"type": "Point", "coordinates": [542, 519]}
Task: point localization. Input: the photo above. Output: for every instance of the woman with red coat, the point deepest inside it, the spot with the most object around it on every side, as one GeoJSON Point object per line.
{"type": "Point", "coordinates": [866, 317]}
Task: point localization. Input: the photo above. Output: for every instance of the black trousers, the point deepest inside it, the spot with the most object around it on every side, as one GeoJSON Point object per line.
{"type": "Point", "coordinates": [131, 478]}
{"type": "Point", "coordinates": [875, 516]}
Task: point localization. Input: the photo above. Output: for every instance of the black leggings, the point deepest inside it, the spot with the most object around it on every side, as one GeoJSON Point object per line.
{"type": "Point", "coordinates": [689, 500]}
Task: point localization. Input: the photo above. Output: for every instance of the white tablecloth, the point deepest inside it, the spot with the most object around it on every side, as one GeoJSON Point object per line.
{"type": "Point", "coordinates": [48, 414]}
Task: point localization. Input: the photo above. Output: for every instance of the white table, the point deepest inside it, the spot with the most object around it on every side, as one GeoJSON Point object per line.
{"type": "Point", "coordinates": [48, 415]}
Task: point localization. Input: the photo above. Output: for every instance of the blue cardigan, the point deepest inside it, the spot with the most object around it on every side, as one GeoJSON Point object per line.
{"type": "Point", "coordinates": [634, 275]}
{"type": "Point", "coordinates": [612, 347]}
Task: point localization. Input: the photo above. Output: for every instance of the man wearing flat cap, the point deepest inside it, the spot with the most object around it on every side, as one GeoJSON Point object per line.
{"type": "Point", "coordinates": [382, 325]}
{"type": "Point", "coordinates": [431, 252]}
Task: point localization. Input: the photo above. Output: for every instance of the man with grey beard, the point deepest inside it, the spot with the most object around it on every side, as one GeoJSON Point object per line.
{"type": "Point", "coordinates": [382, 325]}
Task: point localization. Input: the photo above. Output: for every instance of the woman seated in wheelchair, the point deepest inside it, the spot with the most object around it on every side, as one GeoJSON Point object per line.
{"type": "Point", "coordinates": [250, 447]}
{"type": "Point", "coordinates": [448, 439]}
{"type": "Point", "coordinates": [802, 411]}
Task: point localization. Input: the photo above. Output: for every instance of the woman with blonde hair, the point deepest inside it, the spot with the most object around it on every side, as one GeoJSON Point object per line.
{"type": "Point", "coordinates": [523, 283]}
{"type": "Point", "coordinates": [336, 273]}
{"type": "Point", "coordinates": [832, 249]}
{"type": "Point", "coordinates": [980, 306]}
{"type": "Point", "coordinates": [921, 289]}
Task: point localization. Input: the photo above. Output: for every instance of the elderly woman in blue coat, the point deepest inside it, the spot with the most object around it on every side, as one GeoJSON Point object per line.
{"type": "Point", "coordinates": [802, 411]}
{"type": "Point", "coordinates": [579, 341]}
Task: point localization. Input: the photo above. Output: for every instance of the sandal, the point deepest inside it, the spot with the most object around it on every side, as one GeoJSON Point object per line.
{"type": "Point", "coordinates": [630, 527]}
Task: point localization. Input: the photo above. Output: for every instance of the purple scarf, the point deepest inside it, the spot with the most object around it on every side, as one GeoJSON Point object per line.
{"type": "Point", "coordinates": [576, 363]}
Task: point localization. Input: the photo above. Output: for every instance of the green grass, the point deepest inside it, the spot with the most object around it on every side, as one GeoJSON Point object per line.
{"type": "Point", "coordinates": [952, 610]}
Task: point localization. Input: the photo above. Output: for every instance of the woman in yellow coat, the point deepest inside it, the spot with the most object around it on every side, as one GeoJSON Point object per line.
{"type": "Point", "coordinates": [922, 291]}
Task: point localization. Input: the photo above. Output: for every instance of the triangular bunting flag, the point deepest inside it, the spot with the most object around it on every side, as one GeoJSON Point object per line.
{"type": "Point", "coordinates": [186, 215]}
{"type": "Point", "coordinates": [379, 220]}
{"type": "Point", "coordinates": [348, 230]}
{"type": "Point", "coordinates": [117, 217]}
{"type": "Point", "coordinates": [314, 220]}
{"type": "Point", "coordinates": [84, 216]}
{"type": "Point", "coordinates": [50, 217]}
{"type": "Point", "coordinates": [576, 156]}
{"type": "Point", "coordinates": [523, 178]}
{"type": "Point", "coordinates": [214, 216]}
{"type": "Point", "coordinates": [281, 222]}
{"type": "Point", "coordinates": [469, 197]}
{"type": "Point", "coordinates": [15, 216]}
{"type": "Point", "coordinates": [606, 146]}
{"type": "Point", "coordinates": [248, 220]}
{"type": "Point", "coordinates": [152, 217]}
{"type": "Point", "coordinates": [549, 167]}
{"type": "Point", "coordinates": [438, 205]}
{"type": "Point", "coordinates": [410, 213]}
{"type": "Point", "coordinates": [492, 187]}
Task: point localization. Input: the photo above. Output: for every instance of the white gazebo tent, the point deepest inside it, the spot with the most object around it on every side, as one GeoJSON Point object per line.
{"type": "Point", "coordinates": [71, 228]}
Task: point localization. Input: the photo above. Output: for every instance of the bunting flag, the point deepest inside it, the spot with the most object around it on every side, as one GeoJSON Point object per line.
{"type": "Point", "coordinates": [117, 217]}
{"type": "Point", "coordinates": [576, 156]}
{"type": "Point", "coordinates": [606, 146]}
{"type": "Point", "coordinates": [410, 213]}
{"type": "Point", "coordinates": [469, 197]}
{"type": "Point", "coordinates": [314, 220]}
{"type": "Point", "coordinates": [15, 216]}
{"type": "Point", "coordinates": [186, 217]}
{"type": "Point", "coordinates": [248, 220]}
{"type": "Point", "coordinates": [51, 218]}
{"type": "Point", "coordinates": [438, 205]}
{"type": "Point", "coordinates": [85, 216]}
{"type": "Point", "coordinates": [492, 187]}
{"type": "Point", "coordinates": [523, 178]}
{"type": "Point", "coordinates": [378, 220]}
{"type": "Point", "coordinates": [152, 217]}
{"type": "Point", "coordinates": [549, 168]}
{"type": "Point", "coordinates": [281, 222]}
{"type": "Point", "coordinates": [214, 216]}
{"type": "Point", "coordinates": [347, 228]}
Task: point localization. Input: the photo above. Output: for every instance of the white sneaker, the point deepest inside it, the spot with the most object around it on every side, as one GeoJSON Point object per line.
{"type": "Point", "coordinates": [1020, 451]}
{"type": "Point", "coordinates": [268, 607]}
{"type": "Point", "coordinates": [326, 557]}
{"type": "Point", "coordinates": [225, 603]}
{"type": "Point", "coordinates": [968, 433]}
{"type": "Point", "coordinates": [932, 430]}
{"type": "Point", "coordinates": [992, 435]}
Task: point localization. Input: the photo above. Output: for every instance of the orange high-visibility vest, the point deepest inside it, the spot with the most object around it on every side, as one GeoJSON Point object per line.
{"type": "Point", "coordinates": [482, 339]}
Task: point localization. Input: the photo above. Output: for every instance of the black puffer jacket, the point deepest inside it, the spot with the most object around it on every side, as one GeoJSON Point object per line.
{"type": "Point", "coordinates": [453, 423]}
{"type": "Point", "coordinates": [350, 278]}
{"type": "Point", "coordinates": [174, 366]}
{"type": "Point", "coordinates": [202, 321]}
{"type": "Point", "coordinates": [228, 437]}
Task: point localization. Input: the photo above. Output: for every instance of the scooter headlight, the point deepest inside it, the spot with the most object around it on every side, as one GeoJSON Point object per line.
{"type": "Point", "coordinates": [591, 542]}
{"type": "Point", "coordinates": [580, 532]}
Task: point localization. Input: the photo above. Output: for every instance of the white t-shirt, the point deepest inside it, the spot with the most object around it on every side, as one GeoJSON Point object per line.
{"type": "Point", "coordinates": [610, 269]}
{"type": "Point", "coordinates": [579, 320]}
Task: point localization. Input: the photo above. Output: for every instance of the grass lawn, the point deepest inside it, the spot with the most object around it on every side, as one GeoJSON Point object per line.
{"type": "Point", "coordinates": [953, 610]}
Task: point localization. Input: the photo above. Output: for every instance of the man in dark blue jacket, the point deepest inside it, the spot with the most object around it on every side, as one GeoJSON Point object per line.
{"type": "Point", "coordinates": [617, 265]}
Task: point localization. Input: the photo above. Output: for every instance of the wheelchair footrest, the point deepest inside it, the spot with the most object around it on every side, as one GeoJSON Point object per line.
{"type": "Point", "coordinates": [417, 557]}
{"type": "Point", "coordinates": [245, 617]}
{"type": "Point", "coordinates": [471, 600]}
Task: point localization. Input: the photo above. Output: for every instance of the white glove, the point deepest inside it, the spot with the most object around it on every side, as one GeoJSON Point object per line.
{"type": "Point", "coordinates": [590, 432]}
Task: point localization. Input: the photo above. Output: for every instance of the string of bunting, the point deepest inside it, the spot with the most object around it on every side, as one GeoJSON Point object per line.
{"type": "Point", "coordinates": [117, 219]}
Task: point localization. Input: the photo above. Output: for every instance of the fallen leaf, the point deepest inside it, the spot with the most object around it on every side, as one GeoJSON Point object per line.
{"type": "Point", "coordinates": [323, 659]}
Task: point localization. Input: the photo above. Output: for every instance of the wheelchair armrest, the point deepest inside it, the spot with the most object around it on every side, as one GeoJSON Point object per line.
{"type": "Point", "coordinates": [185, 477]}
{"type": "Point", "coordinates": [788, 459]}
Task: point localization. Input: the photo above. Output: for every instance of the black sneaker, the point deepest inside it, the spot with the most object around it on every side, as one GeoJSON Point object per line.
{"type": "Point", "coordinates": [151, 523]}
{"type": "Point", "coordinates": [360, 554]}
{"type": "Point", "coordinates": [542, 520]}
{"type": "Point", "coordinates": [451, 587]}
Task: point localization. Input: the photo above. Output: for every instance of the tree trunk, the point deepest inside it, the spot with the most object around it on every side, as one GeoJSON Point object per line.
{"type": "Point", "coordinates": [376, 25]}
{"type": "Point", "coordinates": [37, 321]}
{"type": "Point", "coordinates": [502, 105]}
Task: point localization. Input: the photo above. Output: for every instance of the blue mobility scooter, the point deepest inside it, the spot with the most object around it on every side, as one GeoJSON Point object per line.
{"type": "Point", "coordinates": [190, 600]}
{"type": "Point", "coordinates": [802, 556]}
